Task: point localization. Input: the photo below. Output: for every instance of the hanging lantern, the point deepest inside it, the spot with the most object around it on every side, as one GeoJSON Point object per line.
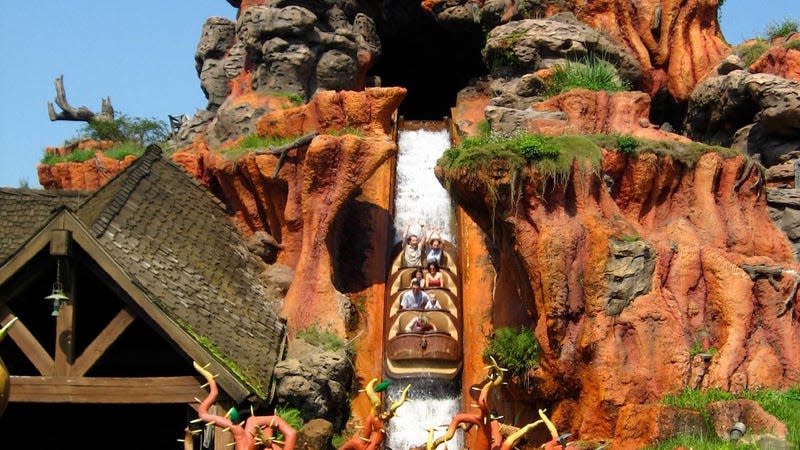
{"type": "Point", "coordinates": [58, 297]}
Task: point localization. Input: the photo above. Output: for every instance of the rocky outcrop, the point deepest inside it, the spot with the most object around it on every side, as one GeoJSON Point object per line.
{"type": "Point", "coordinates": [81, 176]}
{"type": "Point", "coordinates": [553, 268]}
{"type": "Point", "coordinates": [277, 49]}
{"type": "Point", "coordinates": [754, 113]}
{"type": "Point", "coordinates": [315, 381]}
{"type": "Point", "coordinates": [725, 414]}
{"type": "Point", "coordinates": [297, 202]}
{"type": "Point", "coordinates": [640, 426]}
{"type": "Point", "coordinates": [677, 43]}
{"type": "Point", "coordinates": [779, 60]}
{"type": "Point", "coordinates": [517, 51]}
{"type": "Point", "coordinates": [575, 111]}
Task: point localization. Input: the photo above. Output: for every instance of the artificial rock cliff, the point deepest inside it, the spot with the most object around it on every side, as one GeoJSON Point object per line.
{"type": "Point", "coordinates": [623, 273]}
{"type": "Point", "coordinates": [570, 256]}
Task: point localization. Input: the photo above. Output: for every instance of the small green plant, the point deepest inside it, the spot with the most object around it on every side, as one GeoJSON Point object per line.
{"type": "Point", "coordinates": [292, 417]}
{"type": "Point", "coordinates": [631, 238]}
{"type": "Point", "coordinates": [696, 349]}
{"type": "Point", "coordinates": [626, 143]}
{"type": "Point", "coordinates": [534, 147]}
{"type": "Point", "coordinates": [296, 99]}
{"type": "Point", "coordinates": [338, 441]}
{"type": "Point", "coordinates": [783, 28]}
{"type": "Point", "coordinates": [503, 57]}
{"type": "Point", "coordinates": [751, 52]}
{"type": "Point", "coordinates": [323, 339]}
{"type": "Point", "coordinates": [485, 129]}
{"type": "Point", "coordinates": [125, 149]}
{"type": "Point", "coordinates": [531, 9]}
{"type": "Point", "coordinates": [515, 349]}
{"type": "Point", "coordinates": [590, 73]}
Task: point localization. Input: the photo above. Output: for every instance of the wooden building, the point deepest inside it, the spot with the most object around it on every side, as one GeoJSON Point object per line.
{"type": "Point", "coordinates": [156, 276]}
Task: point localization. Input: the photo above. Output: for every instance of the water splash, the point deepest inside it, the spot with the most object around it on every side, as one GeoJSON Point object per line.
{"type": "Point", "coordinates": [418, 194]}
{"type": "Point", "coordinates": [431, 403]}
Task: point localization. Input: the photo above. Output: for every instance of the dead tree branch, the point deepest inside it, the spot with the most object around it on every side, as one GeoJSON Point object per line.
{"type": "Point", "coordinates": [82, 114]}
{"type": "Point", "coordinates": [283, 149]}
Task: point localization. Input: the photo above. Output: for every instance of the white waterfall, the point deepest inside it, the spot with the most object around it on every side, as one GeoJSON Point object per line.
{"type": "Point", "coordinates": [418, 194]}
{"type": "Point", "coordinates": [431, 403]}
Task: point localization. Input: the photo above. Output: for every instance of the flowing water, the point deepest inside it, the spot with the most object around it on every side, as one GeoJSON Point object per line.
{"type": "Point", "coordinates": [431, 403]}
{"type": "Point", "coordinates": [419, 195]}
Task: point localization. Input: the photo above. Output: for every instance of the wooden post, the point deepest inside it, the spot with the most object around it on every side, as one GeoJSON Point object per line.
{"type": "Point", "coordinates": [60, 245]}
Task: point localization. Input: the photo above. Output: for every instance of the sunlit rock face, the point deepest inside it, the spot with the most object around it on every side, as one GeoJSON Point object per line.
{"type": "Point", "coordinates": [298, 201]}
{"type": "Point", "coordinates": [621, 272]}
{"type": "Point", "coordinates": [677, 43]}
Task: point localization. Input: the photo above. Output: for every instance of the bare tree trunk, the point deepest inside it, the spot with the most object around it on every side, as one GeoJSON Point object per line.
{"type": "Point", "coordinates": [82, 114]}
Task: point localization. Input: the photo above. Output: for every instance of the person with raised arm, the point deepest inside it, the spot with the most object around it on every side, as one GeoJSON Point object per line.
{"type": "Point", "coordinates": [433, 242]}
{"type": "Point", "coordinates": [414, 247]}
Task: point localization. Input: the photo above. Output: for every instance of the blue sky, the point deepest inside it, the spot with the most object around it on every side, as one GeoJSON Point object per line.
{"type": "Point", "coordinates": [141, 54]}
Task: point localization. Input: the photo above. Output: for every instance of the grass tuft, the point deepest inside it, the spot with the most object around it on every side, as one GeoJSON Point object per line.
{"type": "Point", "coordinates": [751, 52]}
{"type": "Point", "coordinates": [125, 149]}
{"type": "Point", "coordinates": [118, 152]}
{"type": "Point", "coordinates": [784, 405]}
{"type": "Point", "coordinates": [590, 73]}
{"type": "Point", "coordinates": [325, 340]}
{"type": "Point", "coordinates": [626, 143]}
{"type": "Point", "coordinates": [253, 142]}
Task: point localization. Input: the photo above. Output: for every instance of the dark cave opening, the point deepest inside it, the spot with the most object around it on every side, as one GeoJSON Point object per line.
{"type": "Point", "coordinates": [432, 62]}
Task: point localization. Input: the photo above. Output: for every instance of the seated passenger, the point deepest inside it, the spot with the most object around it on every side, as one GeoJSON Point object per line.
{"type": "Point", "coordinates": [433, 278]}
{"type": "Point", "coordinates": [419, 275]}
{"type": "Point", "coordinates": [420, 324]}
{"type": "Point", "coordinates": [415, 298]}
{"type": "Point", "coordinates": [433, 303]}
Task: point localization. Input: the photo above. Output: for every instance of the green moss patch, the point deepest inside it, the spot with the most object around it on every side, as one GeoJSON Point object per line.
{"type": "Point", "coordinates": [232, 366]}
{"type": "Point", "coordinates": [118, 152]}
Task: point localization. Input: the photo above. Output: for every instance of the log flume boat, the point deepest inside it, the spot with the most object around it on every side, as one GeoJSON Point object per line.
{"type": "Point", "coordinates": [434, 354]}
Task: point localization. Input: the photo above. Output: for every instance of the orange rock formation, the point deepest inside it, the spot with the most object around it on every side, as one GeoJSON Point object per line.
{"type": "Point", "coordinates": [703, 230]}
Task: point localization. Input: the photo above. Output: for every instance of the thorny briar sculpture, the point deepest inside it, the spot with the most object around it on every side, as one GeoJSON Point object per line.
{"type": "Point", "coordinates": [371, 437]}
{"type": "Point", "coordinates": [254, 433]}
{"type": "Point", "coordinates": [258, 431]}
{"type": "Point", "coordinates": [490, 432]}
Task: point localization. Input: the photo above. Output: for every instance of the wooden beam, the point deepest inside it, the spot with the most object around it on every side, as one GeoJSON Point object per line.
{"type": "Point", "coordinates": [106, 389]}
{"type": "Point", "coordinates": [65, 322]}
{"type": "Point", "coordinates": [27, 342]}
{"type": "Point", "coordinates": [102, 342]}
{"type": "Point", "coordinates": [227, 381]}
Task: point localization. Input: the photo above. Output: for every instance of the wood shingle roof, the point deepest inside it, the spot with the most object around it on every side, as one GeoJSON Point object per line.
{"type": "Point", "coordinates": [176, 242]}
{"type": "Point", "coordinates": [25, 211]}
